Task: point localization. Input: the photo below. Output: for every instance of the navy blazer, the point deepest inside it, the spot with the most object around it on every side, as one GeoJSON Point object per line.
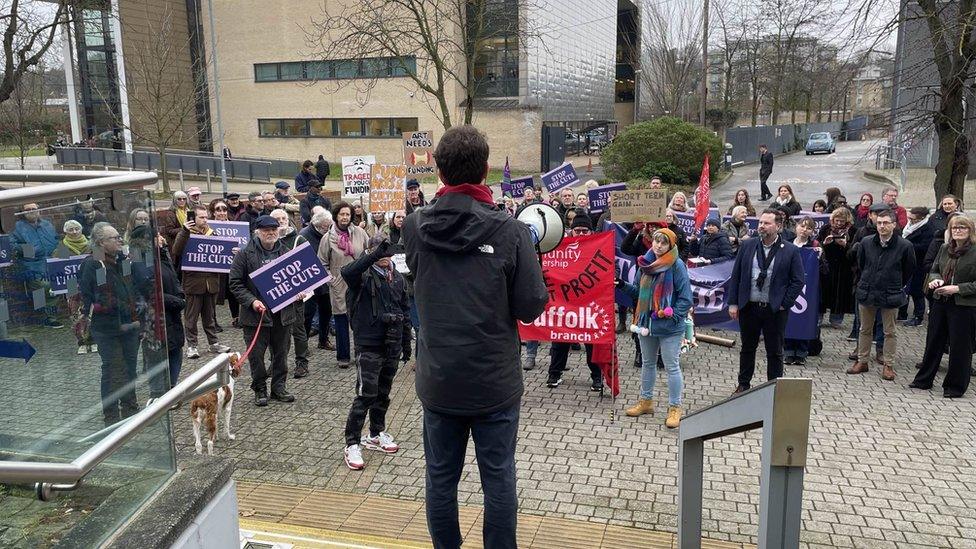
{"type": "Point", "coordinates": [786, 279]}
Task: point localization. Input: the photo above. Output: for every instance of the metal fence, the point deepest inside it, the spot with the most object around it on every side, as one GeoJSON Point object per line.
{"type": "Point", "coordinates": [783, 138]}
{"type": "Point", "coordinates": [202, 165]}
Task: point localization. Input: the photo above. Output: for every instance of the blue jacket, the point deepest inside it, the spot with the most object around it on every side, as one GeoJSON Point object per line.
{"type": "Point", "coordinates": [42, 237]}
{"type": "Point", "coordinates": [785, 280]}
{"type": "Point", "coordinates": [680, 302]}
{"type": "Point", "coordinates": [302, 180]}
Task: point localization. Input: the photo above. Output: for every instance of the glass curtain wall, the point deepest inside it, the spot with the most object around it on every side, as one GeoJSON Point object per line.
{"type": "Point", "coordinates": [97, 74]}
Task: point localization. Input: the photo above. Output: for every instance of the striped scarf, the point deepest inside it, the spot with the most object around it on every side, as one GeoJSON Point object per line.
{"type": "Point", "coordinates": [656, 286]}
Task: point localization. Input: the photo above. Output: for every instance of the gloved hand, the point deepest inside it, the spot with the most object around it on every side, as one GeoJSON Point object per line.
{"type": "Point", "coordinates": [384, 249]}
{"type": "Point", "coordinates": [618, 283]}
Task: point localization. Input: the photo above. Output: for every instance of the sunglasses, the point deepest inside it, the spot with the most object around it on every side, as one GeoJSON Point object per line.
{"type": "Point", "coordinates": [581, 231]}
{"type": "Point", "coordinates": [220, 209]}
{"type": "Point", "coordinates": [181, 198]}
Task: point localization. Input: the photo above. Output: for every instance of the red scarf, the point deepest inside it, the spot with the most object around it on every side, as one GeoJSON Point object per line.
{"type": "Point", "coordinates": [478, 192]}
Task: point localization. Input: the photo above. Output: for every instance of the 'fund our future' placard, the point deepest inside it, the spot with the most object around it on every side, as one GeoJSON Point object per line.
{"type": "Point", "coordinates": [296, 272]}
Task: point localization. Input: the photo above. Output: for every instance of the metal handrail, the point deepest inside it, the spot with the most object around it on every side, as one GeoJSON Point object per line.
{"type": "Point", "coordinates": [68, 184]}
{"type": "Point", "coordinates": [781, 408]}
{"type": "Point", "coordinates": [52, 476]}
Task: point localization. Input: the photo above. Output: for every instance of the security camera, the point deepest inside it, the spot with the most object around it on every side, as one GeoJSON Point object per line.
{"type": "Point", "coordinates": [410, 94]}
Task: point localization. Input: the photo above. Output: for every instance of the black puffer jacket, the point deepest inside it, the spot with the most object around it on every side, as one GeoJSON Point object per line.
{"type": "Point", "coordinates": [476, 275]}
{"type": "Point", "coordinates": [370, 296]}
{"type": "Point", "coordinates": [713, 247]}
{"type": "Point", "coordinates": [885, 271]}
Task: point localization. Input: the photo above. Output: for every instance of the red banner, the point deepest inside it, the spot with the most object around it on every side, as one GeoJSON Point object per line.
{"type": "Point", "coordinates": [579, 275]}
{"type": "Point", "coordinates": [702, 196]}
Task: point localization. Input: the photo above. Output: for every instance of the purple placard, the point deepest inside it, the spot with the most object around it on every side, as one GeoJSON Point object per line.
{"type": "Point", "coordinates": [819, 219]}
{"type": "Point", "coordinates": [563, 176]}
{"type": "Point", "coordinates": [239, 230]}
{"type": "Point", "coordinates": [599, 196]}
{"type": "Point", "coordinates": [516, 188]}
{"type": "Point", "coordinates": [686, 220]}
{"type": "Point", "coordinates": [6, 251]}
{"type": "Point", "coordinates": [60, 271]}
{"type": "Point", "coordinates": [294, 273]}
{"type": "Point", "coordinates": [208, 254]}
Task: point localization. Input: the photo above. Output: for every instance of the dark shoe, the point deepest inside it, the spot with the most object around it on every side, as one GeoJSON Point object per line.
{"type": "Point", "coordinates": [913, 322]}
{"type": "Point", "coordinates": [282, 395]}
{"type": "Point", "coordinates": [312, 332]}
{"type": "Point", "coordinates": [300, 372]}
{"type": "Point", "coordinates": [219, 328]}
{"type": "Point", "coordinates": [621, 328]}
{"type": "Point", "coordinates": [800, 361]}
{"type": "Point", "coordinates": [235, 323]}
{"type": "Point", "coordinates": [789, 361]}
{"type": "Point", "coordinates": [553, 381]}
{"type": "Point", "coordinates": [950, 394]}
{"type": "Point", "coordinates": [342, 364]}
{"type": "Point", "coordinates": [528, 363]}
{"type": "Point", "coordinates": [261, 398]}
{"type": "Point", "coordinates": [53, 323]}
{"type": "Point", "coordinates": [852, 336]}
{"type": "Point", "coordinates": [576, 347]}
{"type": "Point", "coordinates": [740, 389]}
{"type": "Point", "coordinates": [858, 368]}
{"type": "Point", "coordinates": [852, 356]}
{"type": "Point", "coordinates": [917, 385]}
{"type": "Point", "coordinates": [637, 361]}
{"type": "Point", "coordinates": [596, 386]}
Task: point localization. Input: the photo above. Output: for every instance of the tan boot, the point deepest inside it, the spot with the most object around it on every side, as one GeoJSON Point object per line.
{"type": "Point", "coordinates": [887, 372]}
{"type": "Point", "coordinates": [674, 417]}
{"type": "Point", "coordinates": [643, 406]}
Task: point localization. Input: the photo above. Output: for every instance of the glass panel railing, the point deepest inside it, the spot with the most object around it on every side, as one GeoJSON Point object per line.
{"type": "Point", "coordinates": [82, 347]}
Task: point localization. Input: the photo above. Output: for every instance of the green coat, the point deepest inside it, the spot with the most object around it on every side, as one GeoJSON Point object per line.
{"type": "Point", "coordinates": [965, 276]}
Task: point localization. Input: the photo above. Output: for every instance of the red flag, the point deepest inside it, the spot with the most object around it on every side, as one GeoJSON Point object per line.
{"type": "Point", "coordinates": [702, 197]}
{"type": "Point", "coordinates": [605, 357]}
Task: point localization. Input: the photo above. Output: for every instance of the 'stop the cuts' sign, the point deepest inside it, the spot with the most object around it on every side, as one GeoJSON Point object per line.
{"type": "Point", "coordinates": [294, 273]}
{"type": "Point", "coordinates": [238, 230]}
{"type": "Point", "coordinates": [600, 196]}
{"type": "Point", "coordinates": [418, 153]}
{"type": "Point", "coordinates": [516, 188]}
{"type": "Point", "coordinates": [563, 176]}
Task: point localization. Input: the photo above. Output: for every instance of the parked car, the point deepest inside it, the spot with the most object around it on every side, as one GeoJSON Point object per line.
{"type": "Point", "coordinates": [820, 142]}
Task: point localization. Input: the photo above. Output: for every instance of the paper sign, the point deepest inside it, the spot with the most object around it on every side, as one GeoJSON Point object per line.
{"type": "Point", "coordinates": [295, 272]}
{"type": "Point", "coordinates": [639, 205]}
{"type": "Point", "coordinates": [418, 153]}
{"type": "Point", "coordinates": [388, 188]}
{"type": "Point", "coordinates": [355, 174]}
{"type": "Point", "coordinates": [60, 271]}
{"type": "Point", "coordinates": [400, 263]}
{"type": "Point", "coordinates": [208, 254]}
{"type": "Point", "coordinates": [239, 230]}
{"type": "Point", "coordinates": [563, 176]}
{"type": "Point", "coordinates": [600, 196]}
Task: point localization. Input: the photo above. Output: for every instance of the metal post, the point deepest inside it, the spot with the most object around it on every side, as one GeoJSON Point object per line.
{"type": "Point", "coordinates": [181, 179]}
{"type": "Point", "coordinates": [691, 468]}
{"type": "Point", "coordinates": [220, 127]}
{"type": "Point", "coordinates": [208, 180]}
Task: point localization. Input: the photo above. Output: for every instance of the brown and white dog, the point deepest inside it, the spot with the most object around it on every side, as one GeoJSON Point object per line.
{"type": "Point", "coordinates": [206, 409]}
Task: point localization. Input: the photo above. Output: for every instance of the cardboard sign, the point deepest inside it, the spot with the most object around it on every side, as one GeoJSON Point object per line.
{"type": "Point", "coordinates": [238, 230]}
{"type": "Point", "coordinates": [6, 251]}
{"type": "Point", "coordinates": [60, 271]}
{"type": "Point", "coordinates": [579, 276]}
{"type": "Point", "coordinates": [516, 187]}
{"type": "Point", "coordinates": [600, 196]}
{"type": "Point", "coordinates": [208, 254]}
{"type": "Point", "coordinates": [418, 153]}
{"type": "Point", "coordinates": [387, 188]}
{"type": "Point", "coordinates": [283, 280]}
{"type": "Point", "coordinates": [355, 174]}
{"type": "Point", "coordinates": [563, 176]}
{"type": "Point", "coordinates": [639, 205]}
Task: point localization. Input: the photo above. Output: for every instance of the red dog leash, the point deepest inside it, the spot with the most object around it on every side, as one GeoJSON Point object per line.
{"type": "Point", "coordinates": [254, 340]}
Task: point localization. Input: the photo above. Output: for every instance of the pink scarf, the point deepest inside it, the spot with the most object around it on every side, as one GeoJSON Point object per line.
{"type": "Point", "coordinates": [342, 241]}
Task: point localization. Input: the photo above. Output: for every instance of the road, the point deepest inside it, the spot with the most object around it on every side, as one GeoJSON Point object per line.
{"type": "Point", "coordinates": [809, 176]}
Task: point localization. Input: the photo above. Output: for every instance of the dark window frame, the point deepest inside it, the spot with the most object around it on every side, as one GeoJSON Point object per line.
{"type": "Point", "coordinates": [390, 124]}
{"type": "Point", "coordinates": [391, 69]}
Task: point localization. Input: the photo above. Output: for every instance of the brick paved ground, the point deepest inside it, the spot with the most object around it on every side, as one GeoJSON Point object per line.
{"type": "Point", "coordinates": [888, 467]}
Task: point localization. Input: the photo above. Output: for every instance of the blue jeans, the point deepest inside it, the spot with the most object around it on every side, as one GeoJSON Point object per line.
{"type": "Point", "coordinates": [670, 348]}
{"type": "Point", "coordinates": [445, 441]}
{"type": "Point", "coordinates": [799, 348]}
{"type": "Point", "coordinates": [342, 337]}
{"type": "Point", "coordinates": [531, 349]}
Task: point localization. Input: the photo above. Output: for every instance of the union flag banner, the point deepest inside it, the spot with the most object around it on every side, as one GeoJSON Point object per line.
{"type": "Point", "coordinates": [579, 276]}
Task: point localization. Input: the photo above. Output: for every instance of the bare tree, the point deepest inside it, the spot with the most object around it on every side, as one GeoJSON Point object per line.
{"type": "Point", "coordinates": [24, 120]}
{"type": "Point", "coordinates": [672, 45]}
{"type": "Point", "coordinates": [434, 43]}
{"type": "Point", "coordinates": [163, 88]}
{"type": "Point", "coordinates": [29, 30]}
{"type": "Point", "coordinates": [732, 28]}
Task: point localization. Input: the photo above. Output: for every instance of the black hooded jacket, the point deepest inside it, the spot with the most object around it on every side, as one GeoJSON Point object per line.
{"type": "Point", "coordinates": [477, 273]}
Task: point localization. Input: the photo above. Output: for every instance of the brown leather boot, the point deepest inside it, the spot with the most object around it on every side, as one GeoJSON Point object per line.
{"type": "Point", "coordinates": [887, 372]}
{"type": "Point", "coordinates": [858, 368]}
{"type": "Point", "coordinates": [643, 406]}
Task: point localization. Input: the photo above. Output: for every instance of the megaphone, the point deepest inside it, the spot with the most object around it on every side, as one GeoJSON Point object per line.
{"type": "Point", "coordinates": [545, 224]}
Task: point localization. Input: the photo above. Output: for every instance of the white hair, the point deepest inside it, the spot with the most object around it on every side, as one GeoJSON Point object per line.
{"type": "Point", "coordinates": [98, 232]}
{"type": "Point", "coordinates": [737, 209]}
{"type": "Point", "coordinates": [319, 218]}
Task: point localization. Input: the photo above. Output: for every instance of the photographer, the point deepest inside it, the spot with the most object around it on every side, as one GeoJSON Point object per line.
{"type": "Point", "coordinates": [379, 314]}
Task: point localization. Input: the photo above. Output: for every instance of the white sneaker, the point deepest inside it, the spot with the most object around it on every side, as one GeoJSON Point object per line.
{"type": "Point", "coordinates": [384, 443]}
{"type": "Point", "coordinates": [354, 458]}
{"type": "Point", "coordinates": [93, 348]}
{"type": "Point", "coordinates": [82, 349]}
{"type": "Point", "coordinates": [191, 352]}
{"type": "Point", "coordinates": [218, 348]}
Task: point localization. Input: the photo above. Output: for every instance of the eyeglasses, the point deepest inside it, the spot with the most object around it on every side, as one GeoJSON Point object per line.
{"type": "Point", "coordinates": [581, 231]}
{"type": "Point", "coordinates": [220, 209]}
{"type": "Point", "coordinates": [181, 198]}
{"type": "Point", "coordinates": [960, 228]}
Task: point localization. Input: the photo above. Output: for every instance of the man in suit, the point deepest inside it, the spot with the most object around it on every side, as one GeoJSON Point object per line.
{"type": "Point", "coordinates": [765, 170]}
{"type": "Point", "coordinates": [767, 277]}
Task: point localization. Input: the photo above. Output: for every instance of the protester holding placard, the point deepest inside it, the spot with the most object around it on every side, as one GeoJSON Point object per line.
{"type": "Point", "coordinates": [797, 350]}
{"type": "Point", "coordinates": [679, 202]}
{"type": "Point", "coordinates": [275, 327]}
{"type": "Point", "coordinates": [736, 227]}
{"type": "Point", "coordinates": [220, 212]}
{"type": "Point", "coordinates": [201, 289]}
{"type": "Point", "coordinates": [380, 321]}
{"type": "Point", "coordinates": [713, 246]}
{"type": "Point", "coordinates": [342, 245]}
{"type": "Point", "coordinates": [172, 219]}
{"type": "Point", "coordinates": [663, 300]}
{"type": "Point", "coordinates": [415, 196]}
{"type": "Point", "coordinates": [290, 238]}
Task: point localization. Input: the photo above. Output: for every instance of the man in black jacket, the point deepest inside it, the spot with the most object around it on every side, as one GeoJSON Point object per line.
{"type": "Point", "coordinates": [255, 209]}
{"type": "Point", "coordinates": [765, 170]}
{"type": "Point", "coordinates": [313, 198]}
{"type": "Point", "coordinates": [886, 262]}
{"type": "Point", "coordinates": [477, 273]}
{"type": "Point", "coordinates": [322, 168]}
{"type": "Point", "coordinates": [275, 327]}
{"type": "Point", "coordinates": [380, 319]}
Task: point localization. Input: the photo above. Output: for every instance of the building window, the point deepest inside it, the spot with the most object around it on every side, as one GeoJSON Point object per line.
{"type": "Point", "coordinates": [496, 58]}
{"type": "Point", "coordinates": [338, 127]}
{"type": "Point", "coordinates": [374, 67]}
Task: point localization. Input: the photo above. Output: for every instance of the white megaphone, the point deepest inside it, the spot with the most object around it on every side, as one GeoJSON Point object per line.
{"type": "Point", "coordinates": [545, 224]}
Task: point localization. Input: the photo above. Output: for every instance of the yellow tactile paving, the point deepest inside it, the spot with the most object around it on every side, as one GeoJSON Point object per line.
{"type": "Point", "coordinates": [311, 519]}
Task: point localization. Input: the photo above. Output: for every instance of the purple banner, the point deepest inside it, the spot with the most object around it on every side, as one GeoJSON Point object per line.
{"type": "Point", "coordinates": [239, 230]}
{"type": "Point", "coordinates": [751, 222]}
{"type": "Point", "coordinates": [599, 196]}
{"type": "Point", "coordinates": [686, 220]}
{"type": "Point", "coordinates": [563, 176]}
{"type": "Point", "coordinates": [60, 271]}
{"type": "Point", "coordinates": [819, 220]}
{"type": "Point", "coordinates": [626, 265]}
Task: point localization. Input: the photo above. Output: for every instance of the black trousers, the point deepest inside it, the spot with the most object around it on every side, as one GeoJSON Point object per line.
{"type": "Point", "coordinates": [322, 304]}
{"type": "Point", "coordinates": [756, 319]}
{"type": "Point", "coordinates": [301, 338]}
{"type": "Point", "coordinates": [560, 356]}
{"type": "Point", "coordinates": [763, 188]}
{"type": "Point", "coordinates": [954, 324]}
{"type": "Point", "coordinates": [376, 366]}
{"type": "Point", "coordinates": [277, 338]}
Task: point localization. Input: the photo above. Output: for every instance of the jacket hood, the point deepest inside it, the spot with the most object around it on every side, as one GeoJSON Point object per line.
{"type": "Point", "coordinates": [458, 223]}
